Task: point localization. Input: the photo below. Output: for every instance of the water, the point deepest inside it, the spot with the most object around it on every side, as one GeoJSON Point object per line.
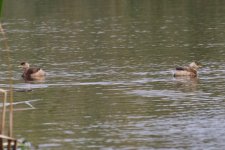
{"type": "Point", "coordinates": [109, 70]}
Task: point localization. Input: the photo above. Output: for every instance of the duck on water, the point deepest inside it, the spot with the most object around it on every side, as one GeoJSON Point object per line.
{"type": "Point", "coordinates": [32, 73]}
{"type": "Point", "coordinates": [190, 70]}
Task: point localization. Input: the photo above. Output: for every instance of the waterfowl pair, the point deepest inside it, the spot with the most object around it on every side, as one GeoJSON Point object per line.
{"type": "Point", "coordinates": [190, 71]}
{"type": "Point", "coordinates": [38, 73]}
{"type": "Point", "coordinates": [32, 73]}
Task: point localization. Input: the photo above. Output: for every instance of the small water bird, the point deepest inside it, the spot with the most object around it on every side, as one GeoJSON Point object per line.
{"type": "Point", "coordinates": [190, 71]}
{"type": "Point", "coordinates": [32, 73]}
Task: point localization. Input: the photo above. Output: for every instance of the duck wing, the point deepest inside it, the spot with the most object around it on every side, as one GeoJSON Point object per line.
{"type": "Point", "coordinates": [32, 70]}
{"type": "Point", "coordinates": [181, 68]}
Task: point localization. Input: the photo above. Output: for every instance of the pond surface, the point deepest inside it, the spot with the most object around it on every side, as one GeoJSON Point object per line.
{"type": "Point", "coordinates": [109, 70]}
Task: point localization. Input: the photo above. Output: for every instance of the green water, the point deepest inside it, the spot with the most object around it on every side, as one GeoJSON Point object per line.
{"type": "Point", "coordinates": [109, 70]}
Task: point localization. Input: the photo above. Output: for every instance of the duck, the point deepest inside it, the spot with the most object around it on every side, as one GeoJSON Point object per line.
{"type": "Point", "coordinates": [32, 73]}
{"type": "Point", "coordinates": [190, 70]}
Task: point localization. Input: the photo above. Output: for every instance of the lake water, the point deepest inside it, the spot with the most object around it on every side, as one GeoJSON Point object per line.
{"type": "Point", "coordinates": [109, 70]}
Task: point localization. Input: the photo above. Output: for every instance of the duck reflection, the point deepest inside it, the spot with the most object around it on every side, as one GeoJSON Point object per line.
{"type": "Point", "coordinates": [33, 80]}
{"type": "Point", "coordinates": [187, 83]}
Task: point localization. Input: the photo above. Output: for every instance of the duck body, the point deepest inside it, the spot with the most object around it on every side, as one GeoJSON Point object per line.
{"type": "Point", "coordinates": [32, 73]}
{"type": "Point", "coordinates": [185, 72]}
{"type": "Point", "coordinates": [190, 71]}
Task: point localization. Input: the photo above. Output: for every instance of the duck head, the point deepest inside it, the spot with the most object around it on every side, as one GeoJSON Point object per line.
{"type": "Point", "coordinates": [195, 65]}
{"type": "Point", "coordinates": [25, 65]}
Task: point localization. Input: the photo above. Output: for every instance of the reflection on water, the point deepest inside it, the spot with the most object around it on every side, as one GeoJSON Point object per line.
{"type": "Point", "coordinates": [109, 83]}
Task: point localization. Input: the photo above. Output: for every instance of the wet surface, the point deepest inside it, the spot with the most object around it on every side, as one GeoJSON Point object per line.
{"type": "Point", "coordinates": [109, 81]}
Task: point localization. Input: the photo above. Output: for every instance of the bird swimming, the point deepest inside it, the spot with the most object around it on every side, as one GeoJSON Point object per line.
{"type": "Point", "coordinates": [190, 70]}
{"type": "Point", "coordinates": [32, 73]}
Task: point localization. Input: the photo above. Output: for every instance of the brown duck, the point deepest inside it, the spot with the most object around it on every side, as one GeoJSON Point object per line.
{"type": "Point", "coordinates": [31, 73]}
{"type": "Point", "coordinates": [191, 70]}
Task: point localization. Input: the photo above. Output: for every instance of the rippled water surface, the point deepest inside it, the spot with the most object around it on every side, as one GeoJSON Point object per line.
{"type": "Point", "coordinates": [109, 70]}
